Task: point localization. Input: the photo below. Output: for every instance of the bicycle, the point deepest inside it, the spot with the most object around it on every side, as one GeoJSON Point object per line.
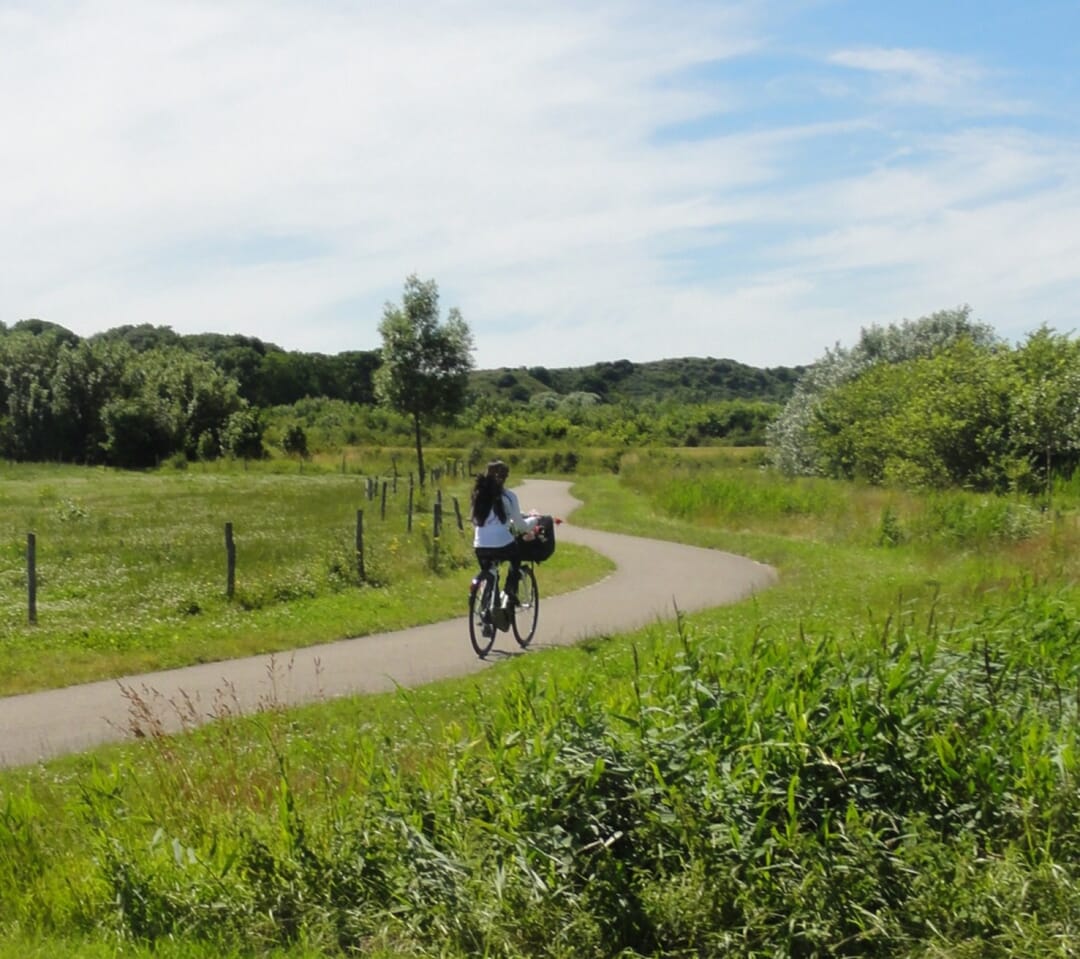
{"type": "Point", "coordinates": [489, 612]}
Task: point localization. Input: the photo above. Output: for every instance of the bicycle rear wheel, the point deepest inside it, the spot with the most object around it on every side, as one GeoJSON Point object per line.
{"type": "Point", "coordinates": [527, 610]}
{"type": "Point", "coordinates": [481, 627]}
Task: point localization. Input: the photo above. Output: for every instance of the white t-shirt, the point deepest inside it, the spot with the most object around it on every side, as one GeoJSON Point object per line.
{"type": "Point", "coordinates": [494, 533]}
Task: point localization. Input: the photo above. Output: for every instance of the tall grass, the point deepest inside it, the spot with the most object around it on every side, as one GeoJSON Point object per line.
{"type": "Point", "coordinates": [908, 788]}
{"type": "Point", "coordinates": [725, 494]}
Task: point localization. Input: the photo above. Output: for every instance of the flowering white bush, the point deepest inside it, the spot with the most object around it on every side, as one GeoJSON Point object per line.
{"type": "Point", "coordinates": [791, 447]}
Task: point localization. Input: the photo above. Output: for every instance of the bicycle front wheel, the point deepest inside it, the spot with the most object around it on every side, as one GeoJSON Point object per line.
{"type": "Point", "coordinates": [481, 627]}
{"type": "Point", "coordinates": [527, 610]}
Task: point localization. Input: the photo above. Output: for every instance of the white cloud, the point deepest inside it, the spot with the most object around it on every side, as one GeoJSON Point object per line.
{"type": "Point", "coordinates": [928, 78]}
{"type": "Point", "coordinates": [169, 158]}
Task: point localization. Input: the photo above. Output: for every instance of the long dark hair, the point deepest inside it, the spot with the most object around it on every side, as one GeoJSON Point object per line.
{"type": "Point", "coordinates": [487, 496]}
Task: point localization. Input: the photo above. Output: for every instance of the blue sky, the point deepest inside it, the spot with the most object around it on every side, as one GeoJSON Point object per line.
{"type": "Point", "coordinates": [753, 180]}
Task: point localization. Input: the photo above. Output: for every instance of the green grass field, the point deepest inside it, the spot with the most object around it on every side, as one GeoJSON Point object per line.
{"type": "Point", "coordinates": [132, 570]}
{"type": "Point", "coordinates": [878, 757]}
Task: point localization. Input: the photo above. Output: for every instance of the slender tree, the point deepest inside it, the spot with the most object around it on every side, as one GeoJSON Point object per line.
{"type": "Point", "coordinates": [425, 366]}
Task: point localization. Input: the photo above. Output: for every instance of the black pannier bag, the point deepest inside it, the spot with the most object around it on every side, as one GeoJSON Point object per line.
{"type": "Point", "coordinates": [540, 547]}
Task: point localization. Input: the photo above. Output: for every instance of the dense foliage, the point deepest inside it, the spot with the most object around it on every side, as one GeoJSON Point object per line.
{"type": "Point", "coordinates": [689, 380]}
{"type": "Point", "coordinates": [101, 402]}
{"type": "Point", "coordinates": [266, 375]}
{"type": "Point", "coordinates": [937, 402]}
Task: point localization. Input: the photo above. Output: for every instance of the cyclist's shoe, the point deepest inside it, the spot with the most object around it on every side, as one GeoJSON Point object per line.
{"type": "Point", "coordinates": [487, 631]}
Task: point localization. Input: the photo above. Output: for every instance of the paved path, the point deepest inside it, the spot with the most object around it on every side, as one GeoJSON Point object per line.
{"type": "Point", "coordinates": [652, 578]}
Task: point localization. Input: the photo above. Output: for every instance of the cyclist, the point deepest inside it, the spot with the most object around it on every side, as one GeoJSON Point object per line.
{"type": "Point", "coordinates": [497, 523]}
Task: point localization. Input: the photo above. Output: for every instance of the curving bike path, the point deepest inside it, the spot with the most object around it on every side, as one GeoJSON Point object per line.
{"type": "Point", "coordinates": [651, 579]}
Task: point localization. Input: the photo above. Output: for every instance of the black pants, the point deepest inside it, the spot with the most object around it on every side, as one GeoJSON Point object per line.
{"type": "Point", "coordinates": [511, 552]}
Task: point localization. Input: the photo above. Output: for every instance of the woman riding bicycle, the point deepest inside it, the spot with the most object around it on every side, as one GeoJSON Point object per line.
{"type": "Point", "coordinates": [497, 522]}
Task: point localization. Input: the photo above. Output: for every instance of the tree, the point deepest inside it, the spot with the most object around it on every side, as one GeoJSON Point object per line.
{"type": "Point", "coordinates": [53, 331]}
{"type": "Point", "coordinates": [1046, 402]}
{"type": "Point", "coordinates": [143, 337]}
{"type": "Point", "coordinates": [294, 442]}
{"type": "Point", "coordinates": [86, 377]}
{"type": "Point", "coordinates": [27, 365]}
{"type": "Point", "coordinates": [243, 434]}
{"type": "Point", "coordinates": [425, 364]}
{"type": "Point", "coordinates": [139, 431]}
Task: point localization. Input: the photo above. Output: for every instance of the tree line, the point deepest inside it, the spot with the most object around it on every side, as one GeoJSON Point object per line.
{"type": "Point", "coordinates": [935, 402]}
{"type": "Point", "coordinates": [133, 396]}
{"type": "Point", "coordinates": [100, 401]}
{"type": "Point", "coordinates": [265, 374]}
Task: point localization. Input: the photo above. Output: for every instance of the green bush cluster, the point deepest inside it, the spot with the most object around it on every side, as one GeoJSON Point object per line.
{"type": "Point", "coordinates": [934, 404]}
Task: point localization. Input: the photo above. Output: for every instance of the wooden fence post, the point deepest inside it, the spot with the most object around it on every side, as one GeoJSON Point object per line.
{"type": "Point", "coordinates": [383, 506]}
{"type": "Point", "coordinates": [436, 530]}
{"type": "Point", "coordinates": [360, 545]}
{"type": "Point", "coordinates": [408, 525]}
{"type": "Point", "coordinates": [457, 513]}
{"type": "Point", "coordinates": [230, 562]}
{"type": "Point", "coordinates": [31, 578]}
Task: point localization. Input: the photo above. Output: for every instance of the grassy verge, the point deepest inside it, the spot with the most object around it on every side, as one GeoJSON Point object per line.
{"type": "Point", "coordinates": [878, 757]}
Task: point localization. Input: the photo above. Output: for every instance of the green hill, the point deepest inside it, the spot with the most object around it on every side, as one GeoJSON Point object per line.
{"type": "Point", "coordinates": [687, 379]}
